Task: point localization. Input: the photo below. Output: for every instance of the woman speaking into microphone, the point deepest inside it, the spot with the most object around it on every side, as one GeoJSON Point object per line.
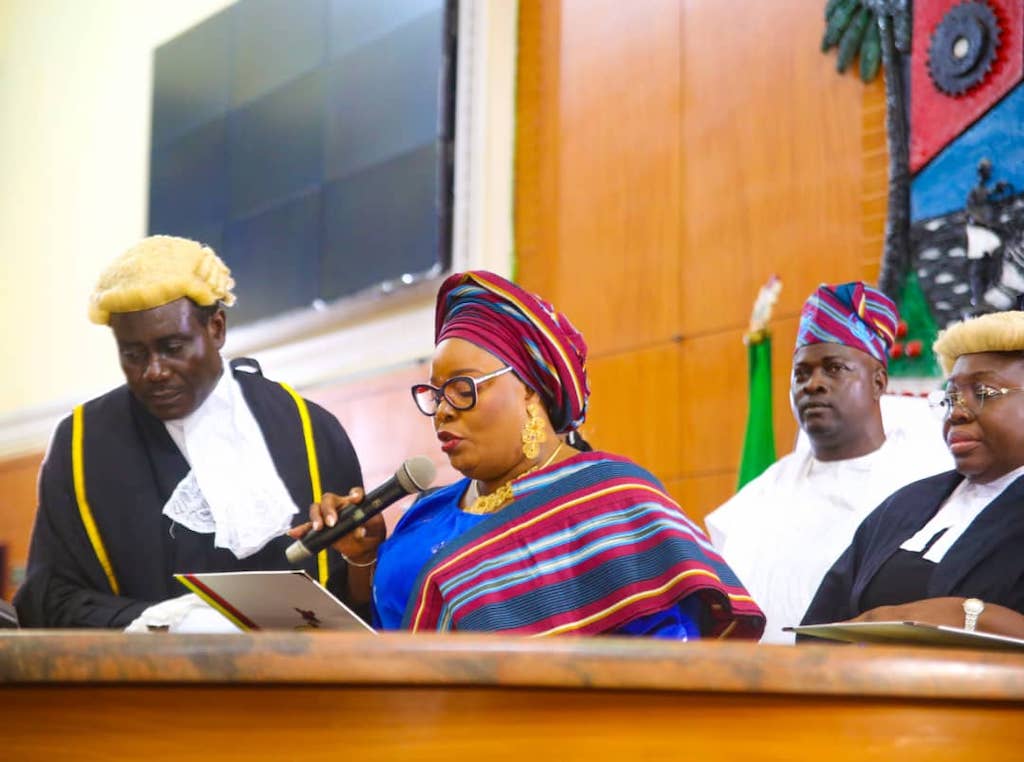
{"type": "Point", "coordinates": [538, 538]}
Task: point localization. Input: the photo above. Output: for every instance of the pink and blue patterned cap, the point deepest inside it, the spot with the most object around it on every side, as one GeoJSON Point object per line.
{"type": "Point", "coordinates": [852, 314]}
{"type": "Point", "coordinates": [524, 331]}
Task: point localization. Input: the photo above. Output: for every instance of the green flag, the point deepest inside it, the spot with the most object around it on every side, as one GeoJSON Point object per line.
{"type": "Point", "coordinates": [759, 442]}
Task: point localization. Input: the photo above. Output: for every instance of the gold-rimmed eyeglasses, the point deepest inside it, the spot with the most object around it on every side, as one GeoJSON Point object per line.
{"type": "Point", "coordinates": [971, 398]}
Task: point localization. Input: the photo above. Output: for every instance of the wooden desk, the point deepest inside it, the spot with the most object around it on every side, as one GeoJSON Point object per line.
{"type": "Point", "coordinates": [86, 695]}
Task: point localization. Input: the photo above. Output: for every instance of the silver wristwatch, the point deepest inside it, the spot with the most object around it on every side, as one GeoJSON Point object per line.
{"type": "Point", "coordinates": [972, 610]}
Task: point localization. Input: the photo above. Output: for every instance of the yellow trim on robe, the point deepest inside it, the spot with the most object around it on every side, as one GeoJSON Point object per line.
{"type": "Point", "coordinates": [78, 470]}
{"type": "Point", "coordinates": [314, 470]}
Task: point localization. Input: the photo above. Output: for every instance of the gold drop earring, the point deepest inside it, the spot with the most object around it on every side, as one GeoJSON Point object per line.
{"type": "Point", "coordinates": [533, 432]}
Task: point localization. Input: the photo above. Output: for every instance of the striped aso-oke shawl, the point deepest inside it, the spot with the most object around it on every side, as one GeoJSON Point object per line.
{"type": "Point", "coordinates": [853, 314]}
{"type": "Point", "coordinates": [589, 544]}
{"type": "Point", "coordinates": [524, 331]}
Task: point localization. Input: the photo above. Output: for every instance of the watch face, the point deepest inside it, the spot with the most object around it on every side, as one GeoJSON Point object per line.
{"type": "Point", "coordinates": [973, 606]}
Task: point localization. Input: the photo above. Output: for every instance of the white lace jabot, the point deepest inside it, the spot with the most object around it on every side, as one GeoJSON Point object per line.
{"type": "Point", "coordinates": [233, 489]}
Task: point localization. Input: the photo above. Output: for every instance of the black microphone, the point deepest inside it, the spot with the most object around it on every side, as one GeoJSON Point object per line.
{"type": "Point", "coordinates": [414, 475]}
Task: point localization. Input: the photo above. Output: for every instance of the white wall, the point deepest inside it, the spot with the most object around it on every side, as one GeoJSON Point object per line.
{"type": "Point", "coordinates": [75, 87]}
{"type": "Point", "coordinates": [75, 91]}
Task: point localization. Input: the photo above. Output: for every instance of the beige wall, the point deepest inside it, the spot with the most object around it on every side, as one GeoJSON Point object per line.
{"type": "Point", "coordinates": [75, 86]}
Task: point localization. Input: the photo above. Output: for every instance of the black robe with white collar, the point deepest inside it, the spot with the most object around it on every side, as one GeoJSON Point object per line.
{"type": "Point", "coordinates": [131, 468]}
{"type": "Point", "coordinates": [986, 561]}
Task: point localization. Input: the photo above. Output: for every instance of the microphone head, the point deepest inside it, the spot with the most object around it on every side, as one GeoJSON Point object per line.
{"type": "Point", "coordinates": [297, 552]}
{"type": "Point", "coordinates": [416, 474]}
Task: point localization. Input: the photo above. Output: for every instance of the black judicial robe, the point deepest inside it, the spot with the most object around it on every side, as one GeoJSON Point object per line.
{"type": "Point", "coordinates": [987, 561]}
{"type": "Point", "coordinates": [131, 468]}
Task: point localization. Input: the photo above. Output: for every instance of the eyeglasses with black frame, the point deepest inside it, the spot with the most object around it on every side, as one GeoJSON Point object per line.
{"type": "Point", "coordinates": [942, 401]}
{"type": "Point", "coordinates": [460, 392]}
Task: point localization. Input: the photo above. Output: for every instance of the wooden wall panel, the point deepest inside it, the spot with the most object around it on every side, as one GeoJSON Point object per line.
{"type": "Point", "coordinates": [783, 341]}
{"type": "Point", "coordinates": [875, 178]}
{"type": "Point", "coordinates": [636, 407]}
{"type": "Point", "coordinates": [772, 179]}
{"type": "Point", "coordinates": [616, 269]}
{"type": "Point", "coordinates": [536, 197]}
{"type": "Point", "coordinates": [17, 513]}
{"type": "Point", "coordinates": [714, 402]}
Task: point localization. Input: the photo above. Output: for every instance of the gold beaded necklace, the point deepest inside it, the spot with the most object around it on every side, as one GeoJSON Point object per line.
{"type": "Point", "coordinates": [492, 502]}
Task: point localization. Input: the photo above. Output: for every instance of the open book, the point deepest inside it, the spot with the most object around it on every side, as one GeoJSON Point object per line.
{"type": "Point", "coordinates": [273, 600]}
{"type": "Point", "coordinates": [894, 633]}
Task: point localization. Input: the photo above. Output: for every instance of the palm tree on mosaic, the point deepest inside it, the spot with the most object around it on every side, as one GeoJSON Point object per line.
{"type": "Point", "coordinates": [878, 32]}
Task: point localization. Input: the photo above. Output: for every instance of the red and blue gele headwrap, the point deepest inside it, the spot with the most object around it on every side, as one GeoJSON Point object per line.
{"type": "Point", "coordinates": [853, 314]}
{"type": "Point", "coordinates": [522, 330]}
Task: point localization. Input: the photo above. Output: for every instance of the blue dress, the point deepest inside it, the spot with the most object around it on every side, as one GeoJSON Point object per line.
{"type": "Point", "coordinates": [435, 520]}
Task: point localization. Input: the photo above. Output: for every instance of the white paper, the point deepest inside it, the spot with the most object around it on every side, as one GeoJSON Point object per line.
{"type": "Point", "coordinates": [274, 600]}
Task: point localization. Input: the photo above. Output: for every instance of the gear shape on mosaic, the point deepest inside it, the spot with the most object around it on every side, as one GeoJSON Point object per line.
{"type": "Point", "coordinates": [963, 47]}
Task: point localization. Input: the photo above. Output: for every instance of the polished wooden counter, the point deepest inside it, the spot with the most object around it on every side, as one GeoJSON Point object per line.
{"type": "Point", "coordinates": [89, 695]}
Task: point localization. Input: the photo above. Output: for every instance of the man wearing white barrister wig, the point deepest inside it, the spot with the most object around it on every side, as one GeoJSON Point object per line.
{"type": "Point", "coordinates": [185, 468]}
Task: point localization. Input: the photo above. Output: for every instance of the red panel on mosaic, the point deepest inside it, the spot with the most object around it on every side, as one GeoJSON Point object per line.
{"type": "Point", "coordinates": [966, 56]}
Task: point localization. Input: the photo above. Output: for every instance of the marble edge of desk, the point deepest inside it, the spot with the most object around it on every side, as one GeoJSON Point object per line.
{"type": "Point", "coordinates": [368, 660]}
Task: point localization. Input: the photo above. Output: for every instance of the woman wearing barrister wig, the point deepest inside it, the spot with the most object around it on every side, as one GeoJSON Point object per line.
{"type": "Point", "coordinates": [948, 549]}
{"type": "Point", "coordinates": [538, 538]}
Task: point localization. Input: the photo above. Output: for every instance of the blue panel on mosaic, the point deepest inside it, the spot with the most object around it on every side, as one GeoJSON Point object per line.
{"type": "Point", "coordinates": [310, 143]}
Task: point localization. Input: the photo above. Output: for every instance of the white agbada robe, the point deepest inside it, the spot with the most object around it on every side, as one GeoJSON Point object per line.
{"type": "Point", "coordinates": [786, 528]}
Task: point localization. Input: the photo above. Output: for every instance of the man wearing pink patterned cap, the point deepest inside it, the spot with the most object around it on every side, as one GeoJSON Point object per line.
{"type": "Point", "coordinates": [783, 530]}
